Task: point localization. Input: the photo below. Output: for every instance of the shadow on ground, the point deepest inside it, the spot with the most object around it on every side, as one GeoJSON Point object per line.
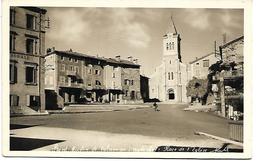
{"type": "Point", "coordinates": [19, 126]}
{"type": "Point", "coordinates": [26, 144]}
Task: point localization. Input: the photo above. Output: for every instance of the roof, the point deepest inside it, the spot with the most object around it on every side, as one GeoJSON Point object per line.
{"type": "Point", "coordinates": [231, 42]}
{"type": "Point", "coordinates": [202, 57]}
{"type": "Point", "coordinates": [171, 27]}
{"type": "Point", "coordinates": [108, 60]}
{"type": "Point", "coordinates": [36, 9]}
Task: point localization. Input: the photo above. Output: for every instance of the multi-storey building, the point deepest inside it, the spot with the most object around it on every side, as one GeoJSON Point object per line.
{"type": "Point", "coordinates": [168, 83]}
{"type": "Point", "coordinates": [199, 68]}
{"type": "Point", "coordinates": [76, 76]}
{"type": "Point", "coordinates": [27, 47]}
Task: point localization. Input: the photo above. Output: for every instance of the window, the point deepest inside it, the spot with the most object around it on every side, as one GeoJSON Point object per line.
{"type": "Point", "coordinates": [33, 101]}
{"type": "Point", "coordinates": [197, 63]}
{"type": "Point", "coordinates": [30, 74]}
{"type": "Point", "coordinates": [170, 62]}
{"type": "Point", "coordinates": [126, 82]}
{"type": "Point", "coordinates": [62, 58]}
{"type": "Point", "coordinates": [29, 46]}
{"type": "Point", "coordinates": [76, 69]}
{"type": "Point", "coordinates": [97, 72]}
{"type": "Point", "coordinates": [14, 100]}
{"type": "Point", "coordinates": [206, 63]}
{"type": "Point", "coordinates": [126, 93]}
{"type": "Point", "coordinates": [12, 16]}
{"type": "Point", "coordinates": [172, 45]}
{"type": "Point", "coordinates": [70, 59]}
{"type": "Point", "coordinates": [167, 46]}
{"type": "Point", "coordinates": [89, 71]}
{"type": "Point", "coordinates": [114, 75]}
{"type": "Point", "coordinates": [63, 67]}
{"type": "Point", "coordinates": [169, 76]}
{"type": "Point", "coordinates": [12, 42]}
{"type": "Point", "coordinates": [98, 83]}
{"type": "Point", "coordinates": [71, 68]}
{"type": "Point", "coordinates": [132, 82]}
{"type": "Point", "coordinates": [75, 60]}
{"type": "Point", "coordinates": [13, 72]}
{"type": "Point", "coordinates": [113, 84]}
{"type": "Point", "coordinates": [172, 75]}
{"type": "Point", "coordinates": [62, 79]}
{"type": "Point", "coordinates": [30, 22]}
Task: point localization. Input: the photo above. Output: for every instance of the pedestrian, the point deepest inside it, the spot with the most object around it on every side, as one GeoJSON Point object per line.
{"type": "Point", "coordinates": [155, 106]}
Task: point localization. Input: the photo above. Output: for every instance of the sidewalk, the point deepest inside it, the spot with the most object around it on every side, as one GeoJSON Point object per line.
{"type": "Point", "coordinates": [81, 140]}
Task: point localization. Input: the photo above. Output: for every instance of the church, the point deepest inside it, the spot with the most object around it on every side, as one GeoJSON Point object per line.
{"type": "Point", "coordinates": [168, 82]}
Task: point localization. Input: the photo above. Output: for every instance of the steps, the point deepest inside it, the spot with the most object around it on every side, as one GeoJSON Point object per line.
{"type": "Point", "coordinates": [24, 110]}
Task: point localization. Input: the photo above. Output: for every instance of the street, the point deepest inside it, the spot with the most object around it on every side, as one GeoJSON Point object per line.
{"type": "Point", "coordinates": [170, 123]}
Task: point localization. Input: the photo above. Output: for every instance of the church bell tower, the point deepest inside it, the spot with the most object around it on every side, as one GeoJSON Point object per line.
{"type": "Point", "coordinates": [172, 64]}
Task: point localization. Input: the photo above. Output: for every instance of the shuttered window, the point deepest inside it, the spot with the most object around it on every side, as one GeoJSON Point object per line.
{"type": "Point", "coordinates": [33, 101]}
{"type": "Point", "coordinates": [14, 100]}
{"type": "Point", "coordinates": [13, 73]}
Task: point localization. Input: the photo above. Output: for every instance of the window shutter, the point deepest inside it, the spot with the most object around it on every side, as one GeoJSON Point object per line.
{"type": "Point", "coordinates": [17, 100]}
{"type": "Point", "coordinates": [15, 74]}
{"type": "Point", "coordinates": [37, 99]}
{"type": "Point", "coordinates": [28, 100]}
{"type": "Point", "coordinates": [11, 100]}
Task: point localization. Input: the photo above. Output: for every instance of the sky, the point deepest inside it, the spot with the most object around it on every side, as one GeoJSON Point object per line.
{"type": "Point", "coordinates": [138, 32]}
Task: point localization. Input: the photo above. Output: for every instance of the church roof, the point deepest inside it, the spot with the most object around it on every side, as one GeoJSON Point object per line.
{"type": "Point", "coordinates": [172, 27]}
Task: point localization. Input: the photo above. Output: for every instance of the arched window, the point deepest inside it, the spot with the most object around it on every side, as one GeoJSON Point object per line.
{"type": "Point", "coordinates": [172, 45]}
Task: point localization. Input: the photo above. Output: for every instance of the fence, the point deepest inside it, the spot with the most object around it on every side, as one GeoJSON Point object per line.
{"type": "Point", "coordinates": [236, 130]}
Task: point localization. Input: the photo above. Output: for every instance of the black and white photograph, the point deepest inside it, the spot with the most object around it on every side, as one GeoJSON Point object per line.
{"type": "Point", "coordinates": [108, 79]}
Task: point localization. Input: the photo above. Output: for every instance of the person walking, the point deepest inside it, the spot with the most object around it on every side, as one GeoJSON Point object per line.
{"type": "Point", "coordinates": [155, 106]}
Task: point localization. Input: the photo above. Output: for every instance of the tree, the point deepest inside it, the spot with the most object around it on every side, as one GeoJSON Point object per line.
{"type": "Point", "coordinates": [197, 88]}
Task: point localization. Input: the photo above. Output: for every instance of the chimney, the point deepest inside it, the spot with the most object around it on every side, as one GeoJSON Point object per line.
{"type": "Point", "coordinates": [135, 61]}
{"type": "Point", "coordinates": [70, 50]}
{"type": "Point", "coordinates": [130, 58]}
{"type": "Point", "coordinates": [118, 57]}
{"type": "Point", "coordinates": [53, 48]}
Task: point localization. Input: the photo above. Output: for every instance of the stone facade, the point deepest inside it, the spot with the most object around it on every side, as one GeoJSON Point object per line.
{"type": "Point", "coordinates": [169, 81]}
{"type": "Point", "coordinates": [27, 48]}
{"type": "Point", "coordinates": [76, 76]}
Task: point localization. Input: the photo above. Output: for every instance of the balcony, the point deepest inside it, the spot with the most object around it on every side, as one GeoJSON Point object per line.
{"type": "Point", "coordinates": [71, 73]}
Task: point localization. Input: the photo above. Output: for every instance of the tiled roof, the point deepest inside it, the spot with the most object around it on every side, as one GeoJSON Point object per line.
{"type": "Point", "coordinates": [108, 60]}
{"type": "Point", "coordinates": [231, 42]}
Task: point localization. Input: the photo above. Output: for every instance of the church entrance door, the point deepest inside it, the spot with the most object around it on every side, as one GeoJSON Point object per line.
{"type": "Point", "coordinates": [171, 94]}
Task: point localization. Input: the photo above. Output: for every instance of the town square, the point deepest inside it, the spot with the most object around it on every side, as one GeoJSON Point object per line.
{"type": "Point", "coordinates": [97, 79]}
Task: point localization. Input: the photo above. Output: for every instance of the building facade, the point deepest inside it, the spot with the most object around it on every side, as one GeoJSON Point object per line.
{"type": "Point", "coordinates": [77, 77]}
{"type": "Point", "coordinates": [169, 81]}
{"type": "Point", "coordinates": [27, 48]}
{"type": "Point", "coordinates": [199, 68]}
{"type": "Point", "coordinates": [231, 81]}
